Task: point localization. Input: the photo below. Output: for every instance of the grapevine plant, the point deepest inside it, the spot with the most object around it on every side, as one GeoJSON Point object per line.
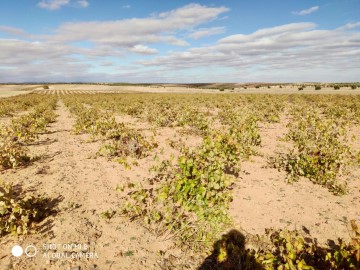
{"type": "Point", "coordinates": [289, 250]}
{"type": "Point", "coordinates": [118, 139]}
{"type": "Point", "coordinates": [22, 131]}
{"type": "Point", "coordinates": [320, 152]}
{"type": "Point", "coordinates": [18, 215]}
{"type": "Point", "coordinates": [190, 201]}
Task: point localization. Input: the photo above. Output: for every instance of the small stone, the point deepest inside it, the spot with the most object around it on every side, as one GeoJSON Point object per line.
{"type": "Point", "coordinates": [75, 268]}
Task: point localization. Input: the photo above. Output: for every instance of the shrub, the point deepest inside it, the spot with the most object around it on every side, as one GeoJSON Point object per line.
{"type": "Point", "coordinates": [120, 141]}
{"type": "Point", "coordinates": [23, 130]}
{"type": "Point", "coordinates": [317, 87]}
{"type": "Point", "coordinates": [320, 152]}
{"type": "Point", "coordinates": [85, 120]}
{"type": "Point", "coordinates": [17, 215]}
{"type": "Point", "coordinates": [336, 87]}
{"type": "Point", "coordinates": [197, 196]}
{"type": "Point", "coordinates": [126, 142]}
{"type": "Point", "coordinates": [12, 153]}
{"type": "Point", "coordinates": [45, 87]}
{"type": "Point", "coordinates": [191, 200]}
{"type": "Point", "coordinates": [289, 250]}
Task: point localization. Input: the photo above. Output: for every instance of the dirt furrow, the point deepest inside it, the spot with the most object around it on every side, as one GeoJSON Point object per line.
{"type": "Point", "coordinates": [83, 191]}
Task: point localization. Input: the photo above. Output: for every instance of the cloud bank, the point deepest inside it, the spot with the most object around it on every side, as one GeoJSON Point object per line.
{"type": "Point", "coordinates": [127, 50]}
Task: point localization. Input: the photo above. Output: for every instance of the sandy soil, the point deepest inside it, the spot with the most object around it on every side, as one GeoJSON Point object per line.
{"type": "Point", "coordinates": [262, 198]}
{"type": "Point", "coordinates": [235, 88]}
{"type": "Point", "coordinates": [13, 90]}
{"type": "Point", "coordinates": [82, 187]}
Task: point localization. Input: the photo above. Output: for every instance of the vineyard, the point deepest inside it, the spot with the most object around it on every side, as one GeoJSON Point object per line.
{"type": "Point", "coordinates": [182, 181]}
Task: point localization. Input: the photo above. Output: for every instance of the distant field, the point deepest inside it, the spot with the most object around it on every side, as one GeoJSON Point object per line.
{"type": "Point", "coordinates": [9, 90]}
{"type": "Point", "coordinates": [13, 90]}
{"type": "Point", "coordinates": [134, 175]}
{"type": "Point", "coordinates": [12, 93]}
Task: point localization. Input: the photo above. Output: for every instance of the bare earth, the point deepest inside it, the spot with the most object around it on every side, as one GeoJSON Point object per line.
{"type": "Point", "coordinates": [7, 90]}
{"type": "Point", "coordinates": [83, 187]}
{"type": "Point", "coordinates": [14, 90]}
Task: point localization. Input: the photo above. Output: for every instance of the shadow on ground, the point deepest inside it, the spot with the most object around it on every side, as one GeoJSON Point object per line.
{"type": "Point", "coordinates": [229, 253]}
{"type": "Point", "coordinates": [44, 206]}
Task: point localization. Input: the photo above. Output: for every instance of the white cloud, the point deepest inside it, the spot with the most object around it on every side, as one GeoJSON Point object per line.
{"type": "Point", "coordinates": [141, 49]}
{"type": "Point", "coordinates": [306, 11]}
{"type": "Point", "coordinates": [18, 52]}
{"type": "Point", "coordinates": [53, 4]}
{"type": "Point", "coordinates": [37, 61]}
{"type": "Point", "coordinates": [106, 64]}
{"type": "Point", "coordinates": [126, 6]}
{"type": "Point", "coordinates": [127, 33]}
{"type": "Point", "coordinates": [296, 51]}
{"type": "Point", "coordinates": [296, 48]}
{"type": "Point", "coordinates": [193, 14]}
{"type": "Point", "coordinates": [273, 31]}
{"type": "Point", "coordinates": [205, 32]}
{"type": "Point", "coordinates": [113, 40]}
{"type": "Point", "coordinates": [350, 26]}
{"type": "Point", "coordinates": [14, 31]}
{"type": "Point", "coordinates": [83, 3]}
{"type": "Point", "coordinates": [57, 4]}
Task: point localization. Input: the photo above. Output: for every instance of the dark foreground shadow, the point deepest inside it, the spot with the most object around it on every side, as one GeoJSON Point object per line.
{"type": "Point", "coordinates": [229, 253]}
{"type": "Point", "coordinates": [49, 208]}
{"type": "Point", "coordinates": [42, 142]}
{"type": "Point", "coordinates": [44, 206]}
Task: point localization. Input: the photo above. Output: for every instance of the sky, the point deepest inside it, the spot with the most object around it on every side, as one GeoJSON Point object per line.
{"type": "Point", "coordinates": [179, 41]}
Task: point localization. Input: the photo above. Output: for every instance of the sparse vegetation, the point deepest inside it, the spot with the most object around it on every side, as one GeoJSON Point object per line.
{"type": "Point", "coordinates": [109, 214]}
{"type": "Point", "coordinates": [289, 250]}
{"type": "Point", "coordinates": [23, 130]}
{"type": "Point", "coordinates": [193, 154]}
{"type": "Point", "coordinates": [196, 190]}
{"type": "Point", "coordinates": [118, 140]}
{"type": "Point", "coordinates": [18, 215]}
{"type": "Point", "coordinates": [320, 151]}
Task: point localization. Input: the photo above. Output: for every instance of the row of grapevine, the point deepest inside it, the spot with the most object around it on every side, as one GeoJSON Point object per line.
{"type": "Point", "coordinates": [119, 140]}
{"type": "Point", "coordinates": [197, 189]}
{"type": "Point", "coordinates": [23, 130]}
{"type": "Point", "coordinates": [188, 198]}
{"type": "Point", "coordinates": [12, 105]}
{"type": "Point", "coordinates": [19, 213]}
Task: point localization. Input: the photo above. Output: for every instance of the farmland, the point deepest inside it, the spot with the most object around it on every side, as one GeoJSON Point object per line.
{"type": "Point", "coordinates": [151, 177]}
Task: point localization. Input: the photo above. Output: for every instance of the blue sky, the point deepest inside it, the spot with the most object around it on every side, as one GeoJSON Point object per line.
{"type": "Point", "coordinates": [179, 41]}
